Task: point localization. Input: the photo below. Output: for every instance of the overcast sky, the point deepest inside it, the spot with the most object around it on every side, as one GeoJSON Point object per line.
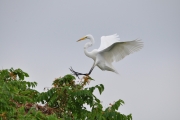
{"type": "Point", "coordinates": [39, 36]}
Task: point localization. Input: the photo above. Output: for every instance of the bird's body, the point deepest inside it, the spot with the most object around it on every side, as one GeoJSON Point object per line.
{"type": "Point", "coordinates": [111, 50]}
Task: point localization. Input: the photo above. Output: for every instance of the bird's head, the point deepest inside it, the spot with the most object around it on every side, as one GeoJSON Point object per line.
{"type": "Point", "coordinates": [85, 37]}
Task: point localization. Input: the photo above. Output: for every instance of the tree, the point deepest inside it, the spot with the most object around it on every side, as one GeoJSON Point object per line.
{"type": "Point", "coordinates": [64, 101]}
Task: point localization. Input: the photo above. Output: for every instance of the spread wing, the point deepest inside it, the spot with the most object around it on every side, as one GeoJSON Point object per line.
{"type": "Point", "coordinates": [107, 41]}
{"type": "Point", "coordinates": [118, 50]}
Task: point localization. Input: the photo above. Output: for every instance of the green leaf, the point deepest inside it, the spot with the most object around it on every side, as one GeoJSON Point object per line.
{"type": "Point", "coordinates": [90, 78]}
{"type": "Point", "coordinates": [102, 87]}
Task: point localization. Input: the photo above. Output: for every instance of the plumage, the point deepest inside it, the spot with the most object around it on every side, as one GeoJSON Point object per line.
{"type": "Point", "coordinates": [111, 50]}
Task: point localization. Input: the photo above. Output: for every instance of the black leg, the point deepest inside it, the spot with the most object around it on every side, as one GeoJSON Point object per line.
{"type": "Point", "coordinates": [77, 73]}
{"type": "Point", "coordinates": [91, 70]}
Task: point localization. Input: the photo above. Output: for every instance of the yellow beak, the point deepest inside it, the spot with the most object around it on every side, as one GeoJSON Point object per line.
{"type": "Point", "coordinates": [81, 39]}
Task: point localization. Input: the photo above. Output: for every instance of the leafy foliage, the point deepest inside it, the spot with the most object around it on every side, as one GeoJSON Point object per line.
{"type": "Point", "coordinates": [64, 101]}
{"type": "Point", "coordinates": [18, 99]}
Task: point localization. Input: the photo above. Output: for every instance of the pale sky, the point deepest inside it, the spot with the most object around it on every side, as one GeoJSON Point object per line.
{"type": "Point", "coordinates": [39, 36]}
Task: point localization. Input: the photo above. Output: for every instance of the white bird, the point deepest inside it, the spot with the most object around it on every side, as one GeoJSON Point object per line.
{"type": "Point", "coordinates": [111, 50]}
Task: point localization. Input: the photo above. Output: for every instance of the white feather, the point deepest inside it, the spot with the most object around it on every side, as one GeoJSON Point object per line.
{"type": "Point", "coordinates": [106, 41]}
{"type": "Point", "coordinates": [110, 50]}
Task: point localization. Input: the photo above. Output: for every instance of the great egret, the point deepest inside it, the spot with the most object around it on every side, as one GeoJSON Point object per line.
{"type": "Point", "coordinates": [110, 50]}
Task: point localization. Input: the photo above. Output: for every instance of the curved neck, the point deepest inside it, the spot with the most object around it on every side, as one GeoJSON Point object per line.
{"type": "Point", "coordinates": [87, 45]}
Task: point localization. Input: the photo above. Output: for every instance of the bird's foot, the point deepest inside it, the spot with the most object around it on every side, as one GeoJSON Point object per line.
{"type": "Point", "coordinates": [74, 72]}
{"type": "Point", "coordinates": [77, 73]}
